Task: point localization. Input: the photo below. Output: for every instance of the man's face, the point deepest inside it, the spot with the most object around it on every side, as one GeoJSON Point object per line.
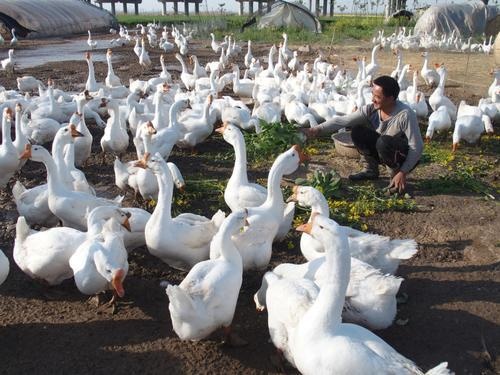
{"type": "Point", "coordinates": [379, 100]}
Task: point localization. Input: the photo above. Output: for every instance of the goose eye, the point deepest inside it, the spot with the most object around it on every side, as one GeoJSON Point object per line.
{"type": "Point", "coordinates": [108, 270]}
{"type": "Point", "coordinates": [321, 227]}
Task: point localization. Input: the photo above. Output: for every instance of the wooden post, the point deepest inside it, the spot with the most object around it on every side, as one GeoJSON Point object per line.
{"type": "Point", "coordinates": [164, 13]}
{"type": "Point", "coordinates": [324, 7]}
{"type": "Point", "coordinates": [113, 10]}
{"type": "Point", "coordinates": [176, 7]}
{"type": "Point", "coordinates": [241, 8]}
{"type": "Point", "coordinates": [100, 4]}
{"type": "Point", "coordinates": [259, 2]}
{"type": "Point", "coordinates": [125, 7]}
{"type": "Point", "coordinates": [136, 8]}
{"type": "Point", "coordinates": [316, 11]}
{"type": "Point", "coordinates": [250, 6]}
{"type": "Point", "coordinates": [332, 3]}
{"type": "Point", "coordinates": [186, 8]}
{"type": "Point", "coordinates": [269, 3]}
{"type": "Point", "coordinates": [197, 8]}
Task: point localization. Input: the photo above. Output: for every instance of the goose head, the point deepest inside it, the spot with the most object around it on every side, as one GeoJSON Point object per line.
{"type": "Point", "coordinates": [324, 230]}
{"type": "Point", "coordinates": [156, 163]}
{"type": "Point", "coordinates": [291, 159]}
{"type": "Point", "coordinates": [306, 196]}
{"type": "Point", "coordinates": [230, 133]}
{"type": "Point", "coordinates": [112, 266]}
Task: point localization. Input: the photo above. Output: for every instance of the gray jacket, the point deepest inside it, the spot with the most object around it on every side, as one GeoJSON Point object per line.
{"type": "Point", "coordinates": [403, 119]}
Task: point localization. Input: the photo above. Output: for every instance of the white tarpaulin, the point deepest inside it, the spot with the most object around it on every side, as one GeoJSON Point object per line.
{"type": "Point", "coordinates": [465, 19]}
{"type": "Point", "coordinates": [284, 14]}
{"type": "Point", "coordinates": [43, 18]}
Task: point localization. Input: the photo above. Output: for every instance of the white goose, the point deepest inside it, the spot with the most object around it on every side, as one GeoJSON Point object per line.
{"type": "Point", "coordinates": [438, 99]}
{"type": "Point", "coordinates": [470, 128]}
{"type": "Point", "coordinates": [254, 243]}
{"type": "Point", "coordinates": [439, 120]}
{"type": "Point", "coordinates": [183, 241]}
{"type": "Point", "coordinates": [115, 138]}
{"type": "Point", "coordinates": [372, 68]}
{"type": "Point", "coordinates": [240, 193]}
{"type": "Point", "coordinates": [21, 139]}
{"type": "Point", "coordinates": [91, 83]}
{"type": "Point", "coordinates": [100, 263]}
{"type": "Point", "coordinates": [8, 63]}
{"type": "Point", "coordinates": [321, 343]}
{"type": "Point", "coordinates": [371, 296]}
{"type": "Point", "coordinates": [379, 251]}
{"type": "Point", "coordinates": [144, 59]}
{"type": "Point", "coordinates": [28, 83]}
{"type": "Point", "coordinates": [206, 299]}
{"type": "Point", "coordinates": [45, 254]}
{"type": "Point", "coordinates": [242, 87]}
{"type": "Point", "coordinates": [247, 60]}
{"type": "Point", "coordinates": [196, 129]}
{"type": "Point", "coordinates": [187, 78]}
{"type": "Point", "coordinates": [33, 203]}
{"type": "Point", "coordinates": [165, 74]}
{"type": "Point", "coordinates": [69, 206]}
{"type": "Point", "coordinates": [91, 43]}
{"type": "Point", "coordinates": [9, 156]}
{"type": "Point", "coordinates": [430, 76]}
{"type": "Point", "coordinates": [83, 145]}
{"type": "Point", "coordinates": [112, 80]}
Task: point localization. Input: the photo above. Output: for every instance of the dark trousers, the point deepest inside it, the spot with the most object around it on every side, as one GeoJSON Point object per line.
{"type": "Point", "coordinates": [384, 149]}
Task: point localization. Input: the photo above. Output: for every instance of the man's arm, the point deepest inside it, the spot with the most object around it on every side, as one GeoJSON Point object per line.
{"type": "Point", "coordinates": [339, 122]}
{"type": "Point", "coordinates": [415, 143]}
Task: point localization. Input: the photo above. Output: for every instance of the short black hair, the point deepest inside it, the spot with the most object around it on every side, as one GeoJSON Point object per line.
{"type": "Point", "coordinates": [390, 86]}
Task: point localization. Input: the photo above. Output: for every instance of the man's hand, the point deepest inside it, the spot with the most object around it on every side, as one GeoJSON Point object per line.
{"type": "Point", "coordinates": [399, 181]}
{"type": "Point", "coordinates": [311, 132]}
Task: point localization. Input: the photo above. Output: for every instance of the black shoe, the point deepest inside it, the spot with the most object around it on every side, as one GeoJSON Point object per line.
{"type": "Point", "coordinates": [363, 175]}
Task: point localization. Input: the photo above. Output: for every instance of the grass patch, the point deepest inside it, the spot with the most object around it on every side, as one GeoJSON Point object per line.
{"type": "Point", "coordinates": [201, 196]}
{"type": "Point", "coordinates": [462, 171]}
{"type": "Point", "coordinates": [358, 203]}
{"type": "Point", "coordinates": [341, 27]}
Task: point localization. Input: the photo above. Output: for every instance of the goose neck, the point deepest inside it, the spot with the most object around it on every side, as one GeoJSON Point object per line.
{"type": "Point", "coordinates": [240, 160]}
{"type": "Point", "coordinates": [325, 314]}
{"type": "Point", "coordinates": [274, 194]}
{"type": "Point", "coordinates": [163, 208]}
{"type": "Point", "coordinates": [6, 135]}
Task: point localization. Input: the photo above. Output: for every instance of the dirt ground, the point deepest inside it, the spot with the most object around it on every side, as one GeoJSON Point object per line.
{"type": "Point", "coordinates": [453, 283]}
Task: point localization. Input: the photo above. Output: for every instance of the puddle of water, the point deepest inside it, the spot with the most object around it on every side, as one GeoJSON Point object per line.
{"type": "Point", "coordinates": [69, 50]}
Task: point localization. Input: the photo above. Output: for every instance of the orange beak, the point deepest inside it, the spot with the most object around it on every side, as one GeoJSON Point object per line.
{"type": "Point", "coordinates": [302, 157]}
{"type": "Point", "coordinates": [454, 147]}
{"type": "Point", "coordinates": [427, 139]}
{"type": "Point", "coordinates": [222, 128]}
{"type": "Point", "coordinates": [117, 282]}
{"type": "Point", "coordinates": [126, 223]}
{"type": "Point", "coordinates": [75, 133]}
{"type": "Point", "coordinates": [306, 228]}
{"type": "Point", "coordinates": [26, 154]}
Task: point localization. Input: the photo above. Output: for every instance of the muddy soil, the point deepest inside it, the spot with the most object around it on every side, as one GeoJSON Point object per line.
{"type": "Point", "coordinates": [453, 283]}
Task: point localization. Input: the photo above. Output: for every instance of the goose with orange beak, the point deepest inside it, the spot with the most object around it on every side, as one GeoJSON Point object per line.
{"type": "Point", "coordinates": [255, 243]}
{"type": "Point", "coordinates": [100, 263]}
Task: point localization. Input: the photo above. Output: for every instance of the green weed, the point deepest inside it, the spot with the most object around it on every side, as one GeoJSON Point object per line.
{"type": "Point", "coordinates": [328, 183]}
{"type": "Point", "coordinates": [274, 139]}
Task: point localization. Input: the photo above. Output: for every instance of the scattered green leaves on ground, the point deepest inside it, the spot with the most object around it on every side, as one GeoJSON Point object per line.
{"type": "Point", "coordinates": [328, 183]}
